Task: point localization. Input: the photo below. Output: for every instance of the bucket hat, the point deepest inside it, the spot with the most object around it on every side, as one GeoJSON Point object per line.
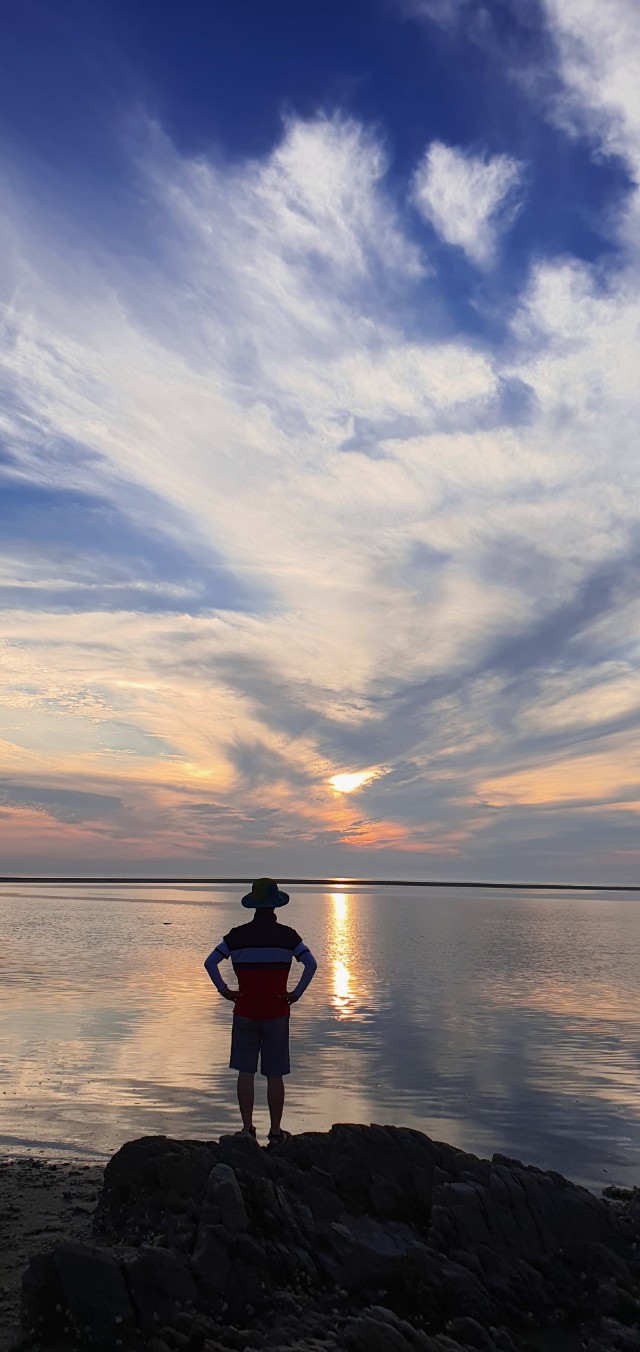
{"type": "Point", "coordinates": [265, 893]}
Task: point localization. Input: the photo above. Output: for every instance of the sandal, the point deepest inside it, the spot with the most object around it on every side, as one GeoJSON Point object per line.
{"type": "Point", "coordinates": [277, 1137]}
{"type": "Point", "coordinates": [247, 1131]}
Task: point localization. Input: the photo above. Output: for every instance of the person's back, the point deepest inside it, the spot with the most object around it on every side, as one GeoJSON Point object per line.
{"type": "Point", "coordinates": [261, 953]}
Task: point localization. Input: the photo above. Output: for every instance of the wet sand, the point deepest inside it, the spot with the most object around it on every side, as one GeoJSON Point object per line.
{"type": "Point", "coordinates": [40, 1202]}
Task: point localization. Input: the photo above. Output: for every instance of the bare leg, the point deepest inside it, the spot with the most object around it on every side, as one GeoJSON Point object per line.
{"type": "Point", "coordinates": [275, 1099]}
{"type": "Point", "coordinates": [245, 1097]}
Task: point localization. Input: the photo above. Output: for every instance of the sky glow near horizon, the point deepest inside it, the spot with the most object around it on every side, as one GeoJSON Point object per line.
{"type": "Point", "coordinates": [319, 439]}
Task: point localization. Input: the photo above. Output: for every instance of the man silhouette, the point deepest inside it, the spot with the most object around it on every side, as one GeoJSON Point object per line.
{"type": "Point", "coordinates": [261, 953]}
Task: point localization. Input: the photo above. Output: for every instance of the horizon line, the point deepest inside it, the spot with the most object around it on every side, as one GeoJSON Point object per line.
{"type": "Point", "coordinates": [330, 882]}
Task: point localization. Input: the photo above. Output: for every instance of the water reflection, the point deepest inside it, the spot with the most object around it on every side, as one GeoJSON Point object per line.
{"type": "Point", "coordinates": [342, 997]}
{"type": "Point", "coordinates": [353, 988]}
{"type": "Point", "coordinates": [497, 1023]}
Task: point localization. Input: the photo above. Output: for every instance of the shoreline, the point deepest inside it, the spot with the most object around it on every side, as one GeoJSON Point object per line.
{"type": "Point", "coordinates": [326, 882]}
{"type": "Point", "coordinates": [42, 1202]}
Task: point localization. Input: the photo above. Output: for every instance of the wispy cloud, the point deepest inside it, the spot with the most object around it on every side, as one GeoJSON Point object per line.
{"type": "Point", "coordinates": [468, 199]}
{"type": "Point", "coordinates": [286, 518]}
{"type": "Point", "coordinates": [445, 12]}
{"type": "Point", "coordinates": [597, 47]}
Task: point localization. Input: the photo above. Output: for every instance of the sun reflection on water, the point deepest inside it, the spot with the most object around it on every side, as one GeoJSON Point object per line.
{"type": "Point", "coordinates": [342, 994]}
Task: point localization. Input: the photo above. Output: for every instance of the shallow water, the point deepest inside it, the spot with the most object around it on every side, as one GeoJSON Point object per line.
{"type": "Point", "coordinates": [495, 1020]}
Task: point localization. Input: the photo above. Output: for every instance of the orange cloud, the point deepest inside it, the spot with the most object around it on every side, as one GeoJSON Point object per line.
{"type": "Point", "coordinates": [583, 779]}
{"type": "Point", "coordinates": [381, 835]}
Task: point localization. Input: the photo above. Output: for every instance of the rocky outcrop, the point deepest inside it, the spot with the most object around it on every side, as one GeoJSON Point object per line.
{"type": "Point", "coordinates": [371, 1239]}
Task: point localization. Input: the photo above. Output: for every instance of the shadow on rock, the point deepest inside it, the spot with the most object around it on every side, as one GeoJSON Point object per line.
{"type": "Point", "coordinates": [371, 1239]}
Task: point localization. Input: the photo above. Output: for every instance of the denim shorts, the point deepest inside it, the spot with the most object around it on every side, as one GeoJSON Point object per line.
{"type": "Point", "coordinates": [270, 1037]}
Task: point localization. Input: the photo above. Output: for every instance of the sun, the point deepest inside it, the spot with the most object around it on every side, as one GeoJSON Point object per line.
{"type": "Point", "coordinates": [347, 783]}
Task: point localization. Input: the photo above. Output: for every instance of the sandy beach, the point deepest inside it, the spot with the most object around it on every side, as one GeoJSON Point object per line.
{"type": "Point", "coordinates": [40, 1203]}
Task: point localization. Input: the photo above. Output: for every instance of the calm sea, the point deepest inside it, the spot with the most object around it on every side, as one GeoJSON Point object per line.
{"type": "Point", "coordinates": [504, 1021]}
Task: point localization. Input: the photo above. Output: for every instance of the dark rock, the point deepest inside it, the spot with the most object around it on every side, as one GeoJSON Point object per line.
{"type": "Point", "coordinates": [95, 1294]}
{"type": "Point", "coordinates": [634, 1211]}
{"type": "Point", "coordinates": [176, 1339]}
{"type": "Point", "coordinates": [360, 1252]}
{"type": "Point", "coordinates": [211, 1260]}
{"type": "Point", "coordinates": [503, 1340]}
{"type": "Point", "coordinates": [521, 1212]}
{"type": "Point", "coordinates": [463, 1252]}
{"type": "Point", "coordinates": [464, 1294]}
{"type": "Point", "coordinates": [471, 1334]}
{"type": "Point", "coordinates": [159, 1284]}
{"type": "Point", "coordinates": [619, 1303]}
{"type": "Point", "coordinates": [292, 1214]}
{"type": "Point", "coordinates": [43, 1305]}
{"type": "Point", "coordinates": [380, 1330]}
{"type": "Point", "coordinates": [225, 1196]}
{"type": "Point", "coordinates": [148, 1184]}
{"type": "Point", "coordinates": [243, 1291]}
{"type": "Point", "coordinates": [244, 1156]}
{"type": "Point", "coordinates": [388, 1168]}
{"type": "Point", "coordinates": [314, 1191]}
{"type": "Point", "coordinates": [594, 1259]}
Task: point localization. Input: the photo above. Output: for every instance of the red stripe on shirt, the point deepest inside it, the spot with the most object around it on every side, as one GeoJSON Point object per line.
{"type": "Point", "coordinates": [259, 992]}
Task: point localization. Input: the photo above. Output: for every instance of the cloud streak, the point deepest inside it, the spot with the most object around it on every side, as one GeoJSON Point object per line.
{"type": "Point", "coordinates": [310, 525]}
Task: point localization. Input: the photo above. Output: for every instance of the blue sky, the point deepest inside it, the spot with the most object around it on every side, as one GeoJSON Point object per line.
{"type": "Point", "coordinates": [318, 457]}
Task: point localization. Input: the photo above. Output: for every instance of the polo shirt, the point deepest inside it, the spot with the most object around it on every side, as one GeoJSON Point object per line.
{"type": "Point", "coordinates": [261, 953]}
